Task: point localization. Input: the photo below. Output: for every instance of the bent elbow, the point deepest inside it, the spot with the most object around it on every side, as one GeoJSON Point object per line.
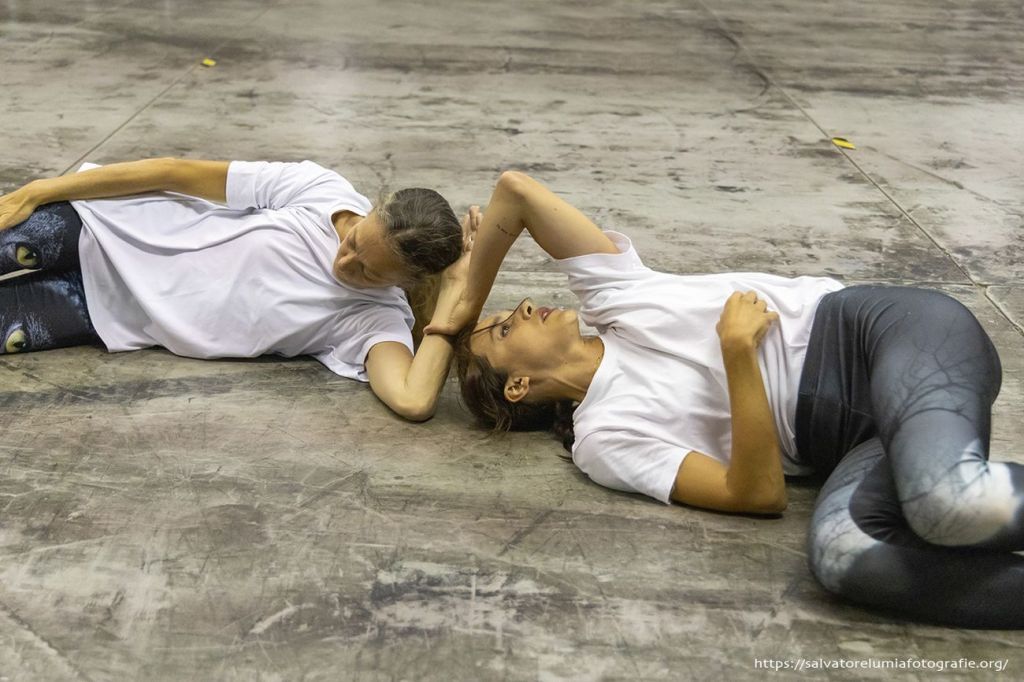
{"type": "Point", "coordinates": [414, 411]}
{"type": "Point", "coordinates": [763, 498]}
{"type": "Point", "coordinates": [768, 503]}
{"type": "Point", "coordinates": [773, 508]}
{"type": "Point", "coordinates": [418, 416]}
{"type": "Point", "coordinates": [513, 182]}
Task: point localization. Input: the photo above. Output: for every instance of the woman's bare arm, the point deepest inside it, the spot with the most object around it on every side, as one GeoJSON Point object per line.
{"type": "Point", "coordinates": [753, 481]}
{"type": "Point", "coordinates": [410, 384]}
{"type": "Point", "coordinates": [206, 179]}
{"type": "Point", "coordinates": [519, 202]}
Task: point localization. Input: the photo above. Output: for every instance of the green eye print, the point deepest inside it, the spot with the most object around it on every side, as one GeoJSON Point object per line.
{"type": "Point", "coordinates": [26, 256]}
{"type": "Point", "coordinates": [16, 341]}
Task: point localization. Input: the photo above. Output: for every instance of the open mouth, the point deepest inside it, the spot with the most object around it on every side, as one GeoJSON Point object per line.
{"type": "Point", "coordinates": [544, 312]}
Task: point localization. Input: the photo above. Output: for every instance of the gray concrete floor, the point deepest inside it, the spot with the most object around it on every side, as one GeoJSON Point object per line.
{"type": "Point", "coordinates": [165, 518]}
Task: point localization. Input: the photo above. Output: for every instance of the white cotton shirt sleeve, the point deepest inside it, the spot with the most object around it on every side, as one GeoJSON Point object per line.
{"type": "Point", "coordinates": [594, 275]}
{"type": "Point", "coordinates": [363, 329]}
{"type": "Point", "coordinates": [276, 185]}
{"type": "Point", "coordinates": [630, 461]}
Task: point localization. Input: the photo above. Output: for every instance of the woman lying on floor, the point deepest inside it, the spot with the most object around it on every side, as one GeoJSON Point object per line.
{"type": "Point", "coordinates": [707, 389]}
{"type": "Point", "coordinates": [243, 259]}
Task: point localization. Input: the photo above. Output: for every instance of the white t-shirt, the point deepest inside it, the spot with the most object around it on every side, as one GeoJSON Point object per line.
{"type": "Point", "coordinates": [254, 277]}
{"type": "Point", "coordinates": [660, 391]}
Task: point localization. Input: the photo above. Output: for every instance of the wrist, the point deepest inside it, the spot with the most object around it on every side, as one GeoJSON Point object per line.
{"type": "Point", "coordinates": [35, 192]}
{"type": "Point", "coordinates": [737, 344]}
{"type": "Point", "coordinates": [447, 338]}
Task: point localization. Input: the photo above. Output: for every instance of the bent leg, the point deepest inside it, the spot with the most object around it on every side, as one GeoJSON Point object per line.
{"type": "Point", "coordinates": [43, 311]}
{"type": "Point", "coordinates": [861, 548]}
{"type": "Point", "coordinates": [934, 375]}
{"type": "Point", "coordinates": [47, 240]}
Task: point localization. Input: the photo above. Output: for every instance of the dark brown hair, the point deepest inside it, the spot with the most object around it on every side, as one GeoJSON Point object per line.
{"type": "Point", "coordinates": [422, 228]}
{"type": "Point", "coordinates": [483, 393]}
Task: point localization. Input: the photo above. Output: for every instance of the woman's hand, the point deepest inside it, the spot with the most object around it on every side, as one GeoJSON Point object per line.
{"type": "Point", "coordinates": [456, 306]}
{"type": "Point", "coordinates": [745, 321]}
{"type": "Point", "coordinates": [16, 207]}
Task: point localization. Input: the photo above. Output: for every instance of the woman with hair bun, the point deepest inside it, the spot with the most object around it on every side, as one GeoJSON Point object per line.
{"type": "Point", "coordinates": [213, 259]}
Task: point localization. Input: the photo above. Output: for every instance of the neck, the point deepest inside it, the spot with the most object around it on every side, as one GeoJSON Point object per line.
{"type": "Point", "coordinates": [573, 381]}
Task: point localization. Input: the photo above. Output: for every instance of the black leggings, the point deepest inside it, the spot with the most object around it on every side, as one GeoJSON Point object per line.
{"type": "Point", "coordinates": [895, 403]}
{"type": "Point", "coordinates": [45, 309]}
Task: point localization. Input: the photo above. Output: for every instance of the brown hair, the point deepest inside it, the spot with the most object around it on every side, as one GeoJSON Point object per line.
{"type": "Point", "coordinates": [422, 228]}
{"type": "Point", "coordinates": [483, 393]}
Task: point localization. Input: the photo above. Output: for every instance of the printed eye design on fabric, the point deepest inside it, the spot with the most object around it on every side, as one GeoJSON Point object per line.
{"type": "Point", "coordinates": [16, 341]}
{"type": "Point", "coordinates": [26, 256]}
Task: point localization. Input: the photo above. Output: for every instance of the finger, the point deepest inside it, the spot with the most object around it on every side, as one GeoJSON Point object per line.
{"type": "Point", "coordinates": [761, 305]}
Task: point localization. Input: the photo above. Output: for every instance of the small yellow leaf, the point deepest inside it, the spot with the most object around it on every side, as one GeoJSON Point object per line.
{"type": "Point", "coordinates": [209, 62]}
{"type": "Point", "coordinates": [842, 143]}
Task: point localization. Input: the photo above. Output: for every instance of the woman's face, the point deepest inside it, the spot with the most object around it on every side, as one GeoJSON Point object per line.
{"type": "Point", "coordinates": [365, 258]}
{"type": "Point", "coordinates": [527, 341]}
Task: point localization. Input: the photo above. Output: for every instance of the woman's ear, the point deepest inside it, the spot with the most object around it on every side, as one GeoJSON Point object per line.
{"type": "Point", "coordinates": [516, 388]}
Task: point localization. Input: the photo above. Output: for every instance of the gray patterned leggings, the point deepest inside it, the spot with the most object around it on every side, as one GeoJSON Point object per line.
{"type": "Point", "coordinates": [895, 402]}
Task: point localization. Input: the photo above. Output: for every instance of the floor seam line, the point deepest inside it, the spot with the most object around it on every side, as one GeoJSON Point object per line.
{"type": "Point", "coordinates": [191, 69]}
{"type": "Point", "coordinates": [765, 75]}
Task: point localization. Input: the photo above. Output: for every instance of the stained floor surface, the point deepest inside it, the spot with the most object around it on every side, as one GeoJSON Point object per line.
{"type": "Point", "coordinates": [170, 519]}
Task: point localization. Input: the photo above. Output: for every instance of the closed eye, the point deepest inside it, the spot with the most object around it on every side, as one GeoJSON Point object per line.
{"type": "Point", "coordinates": [367, 274]}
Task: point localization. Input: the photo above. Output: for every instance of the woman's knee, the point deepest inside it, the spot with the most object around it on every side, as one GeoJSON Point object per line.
{"type": "Point", "coordinates": [43, 311]}
{"type": "Point", "coordinates": [971, 502]}
{"type": "Point", "coordinates": [834, 544]}
{"type": "Point", "coordinates": [836, 539]}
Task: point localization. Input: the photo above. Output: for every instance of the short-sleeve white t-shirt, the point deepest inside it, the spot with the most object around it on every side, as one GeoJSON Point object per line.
{"type": "Point", "coordinates": [661, 391]}
{"type": "Point", "coordinates": [253, 277]}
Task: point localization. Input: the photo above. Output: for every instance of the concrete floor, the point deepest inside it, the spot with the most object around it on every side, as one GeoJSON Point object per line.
{"type": "Point", "coordinates": [171, 519]}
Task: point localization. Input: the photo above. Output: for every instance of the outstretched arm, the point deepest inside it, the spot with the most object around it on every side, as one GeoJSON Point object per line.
{"type": "Point", "coordinates": [206, 179]}
{"type": "Point", "coordinates": [519, 202]}
{"type": "Point", "coordinates": [753, 481]}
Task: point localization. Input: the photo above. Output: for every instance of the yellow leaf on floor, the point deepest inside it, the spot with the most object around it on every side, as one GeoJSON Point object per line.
{"type": "Point", "coordinates": [843, 143]}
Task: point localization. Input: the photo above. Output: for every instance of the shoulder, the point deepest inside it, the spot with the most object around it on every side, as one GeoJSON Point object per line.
{"type": "Point", "coordinates": [625, 254]}
{"type": "Point", "coordinates": [386, 306]}
{"type": "Point", "coordinates": [592, 273]}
